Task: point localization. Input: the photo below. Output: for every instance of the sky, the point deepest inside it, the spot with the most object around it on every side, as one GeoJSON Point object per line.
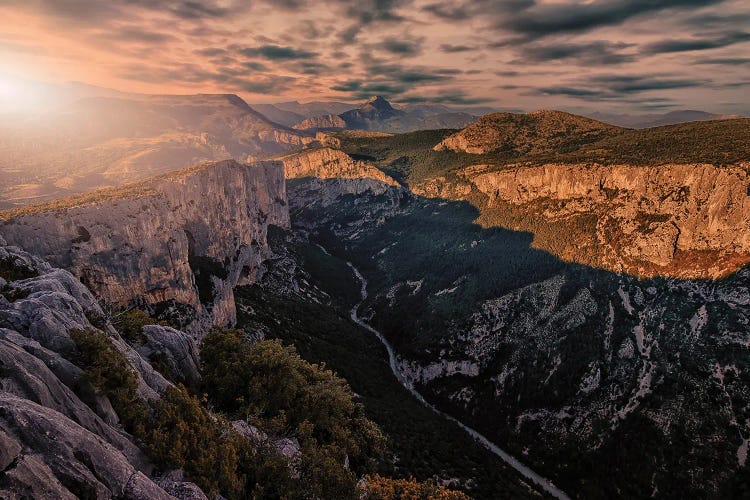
{"type": "Point", "coordinates": [633, 56]}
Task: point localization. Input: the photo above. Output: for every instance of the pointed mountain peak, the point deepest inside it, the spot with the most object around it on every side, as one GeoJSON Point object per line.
{"type": "Point", "coordinates": [379, 102]}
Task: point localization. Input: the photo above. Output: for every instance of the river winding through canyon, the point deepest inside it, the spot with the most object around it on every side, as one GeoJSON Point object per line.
{"type": "Point", "coordinates": [544, 483]}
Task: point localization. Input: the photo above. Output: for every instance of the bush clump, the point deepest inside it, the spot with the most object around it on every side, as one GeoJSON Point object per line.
{"type": "Point", "coordinates": [11, 270]}
{"type": "Point", "coordinates": [130, 325]}
{"type": "Point", "coordinates": [110, 373]}
{"type": "Point", "coordinates": [180, 433]}
{"type": "Point", "coordinates": [377, 487]}
{"type": "Point", "coordinates": [274, 388]}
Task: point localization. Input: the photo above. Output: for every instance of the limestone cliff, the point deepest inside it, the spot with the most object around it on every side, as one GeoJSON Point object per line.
{"type": "Point", "coordinates": [328, 163]}
{"type": "Point", "coordinates": [652, 212]}
{"type": "Point", "coordinates": [320, 176]}
{"type": "Point", "coordinates": [182, 239]}
{"type": "Point", "coordinates": [686, 220]}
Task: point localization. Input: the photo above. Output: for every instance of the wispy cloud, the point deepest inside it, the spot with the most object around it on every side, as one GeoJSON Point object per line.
{"type": "Point", "coordinates": [513, 53]}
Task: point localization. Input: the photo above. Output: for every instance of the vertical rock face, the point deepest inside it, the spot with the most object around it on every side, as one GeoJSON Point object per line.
{"type": "Point", "coordinates": [644, 213]}
{"type": "Point", "coordinates": [178, 242]}
{"type": "Point", "coordinates": [328, 163]}
{"type": "Point", "coordinates": [324, 174]}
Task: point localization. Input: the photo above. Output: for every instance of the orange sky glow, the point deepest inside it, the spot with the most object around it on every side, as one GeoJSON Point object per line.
{"type": "Point", "coordinates": [616, 55]}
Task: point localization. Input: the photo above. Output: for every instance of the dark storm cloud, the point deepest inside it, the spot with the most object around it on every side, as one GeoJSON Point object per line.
{"type": "Point", "coordinates": [401, 46]}
{"type": "Point", "coordinates": [234, 78]}
{"type": "Point", "coordinates": [524, 20]}
{"type": "Point", "coordinates": [451, 96]}
{"type": "Point", "coordinates": [137, 34]}
{"type": "Point", "coordinates": [364, 13]}
{"type": "Point", "coordinates": [310, 68]}
{"type": "Point", "coordinates": [193, 10]}
{"type": "Point", "coordinates": [721, 21]}
{"type": "Point", "coordinates": [695, 44]}
{"type": "Point", "coordinates": [638, 83]}
{"type": "Point", "coordinates": [277, 53]}
{"type": "Point", "coordinates": [448, 48]}
{"type": "Point", "coordinates": [350, 86]}
{"type": "Point", "coordinates": [598, 53]}
{"type": "Point", "coordinates": [370, 11]}
{"type": "Point", "coordinates": [385, 89]}
{"type": "Point", "coordinates": [543, 20]}
{"type": "Point", "coordinates": [107, 10]}
{"type": "Point", "coordinates": [255, 66]}
{"type": "Point", "coordinates": [571, 91]}
{"type": "Point", "coordinates": [455, 11]}
{"type": "Point", "coordinates": [497, 48]}
{"type": "Point", "coordinates": [211, 51]}
{"type": "Point", "coordinates": [619, 86]}
{"type": "Point", "coordinates": [725, 61]}
{"type": "Point", "coordinates": [269, 85]}
{"type": "Point", "coordinates": [408, 74]}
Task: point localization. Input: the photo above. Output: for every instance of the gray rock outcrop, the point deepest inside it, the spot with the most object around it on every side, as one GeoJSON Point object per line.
{"type": "Point", "coordinates": [59, 438]}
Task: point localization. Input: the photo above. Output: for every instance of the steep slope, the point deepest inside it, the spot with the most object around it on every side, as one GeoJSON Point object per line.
{"type": "Point", "coordinates": [107, 141]}
{"type": "Point", "coordinates": [330, 173]}
{"type": "Point", "coordinates": [53, 444]}
{"type": "Point", "coordinates": [532, 133]}
{"type": "Point", "coordinates": [329, 163]}
{"type": "Point", "coordinates": [575, 370]}
{"type": "Point", "coordinates": [84, 413]}
{"type": "Point", "coordinates": [278, 115]}
{"type": "Point", "coordinates": [292, 112]}
{"type": "Point", "coordinates": [179, 242]}
{"type": "Point", "coordinates": [370, 114]}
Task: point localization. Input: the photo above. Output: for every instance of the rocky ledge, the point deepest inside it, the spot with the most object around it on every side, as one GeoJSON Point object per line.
{"type": "Point", "coordinates": [52, 444]}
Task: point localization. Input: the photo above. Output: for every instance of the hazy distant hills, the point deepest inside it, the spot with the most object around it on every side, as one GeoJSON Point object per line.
{"type": "Point", "coordinates": [377, 114]}
{"type": "Point", "coordinates": [658, 120]}
{"type": "Point", "coordinates": [108, 140]}
{"type": "Point", "coordinates": [293, 112]}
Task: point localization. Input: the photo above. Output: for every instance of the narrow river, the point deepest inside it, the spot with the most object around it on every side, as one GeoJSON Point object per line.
{"type": "Point", "coordinates": [506, 457]}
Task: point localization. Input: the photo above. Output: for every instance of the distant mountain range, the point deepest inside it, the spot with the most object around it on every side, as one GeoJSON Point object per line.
{"type": "Point", "coordinates": [293, 112]}
{"type": "Point", "coordinates": [377, 114]}
{"type": "Point", "coordinates": [659, 120]}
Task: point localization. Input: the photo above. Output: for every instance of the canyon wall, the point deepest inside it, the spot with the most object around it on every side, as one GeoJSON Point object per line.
{"type": "Point", "coordinates": [182, 239]}
{"type": "Point", "coordinates": [686, 220]}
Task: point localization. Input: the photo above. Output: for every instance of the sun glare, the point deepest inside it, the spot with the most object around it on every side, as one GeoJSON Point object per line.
{"type": "Point", "coordinates": [17, 95]}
